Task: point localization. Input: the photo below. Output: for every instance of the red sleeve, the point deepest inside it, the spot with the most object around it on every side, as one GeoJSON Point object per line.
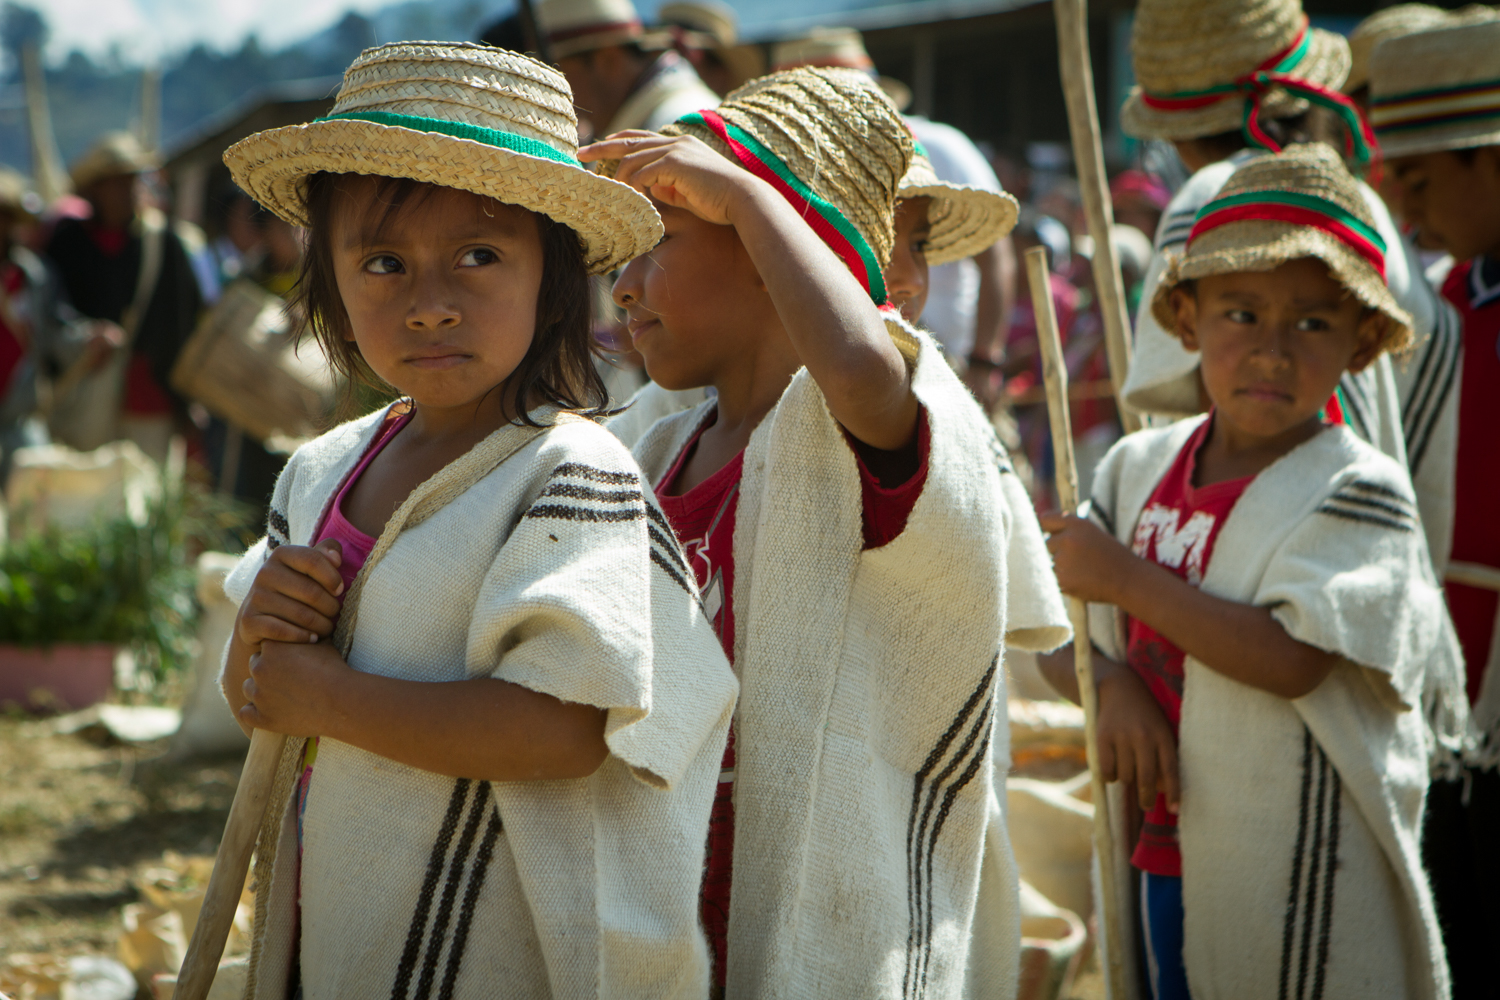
{"type": "Point", "coordinates": [886, 508]}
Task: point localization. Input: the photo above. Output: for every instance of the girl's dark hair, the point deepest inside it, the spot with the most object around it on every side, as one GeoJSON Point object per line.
{"type": "Point", "coordinates": [1316, 124]}
{"type": "Point", "coordinates": [558, 367]}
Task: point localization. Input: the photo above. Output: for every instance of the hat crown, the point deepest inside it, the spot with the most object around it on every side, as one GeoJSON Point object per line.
{"type": "Point", "coordinates": [571, 15]}
{"type": "Point", "coordinates": [823, 47]}
{"type": "Point", "coordinates": [1312, 169]}
{"type": "Point", "coordinates": [1427, 60]}
{"type": "Point", "coordinates": [462, 82]}
{"type": "Point", "coordinates": [1187, 45]}
{"type": "Point", "coordinates": [835, 132]}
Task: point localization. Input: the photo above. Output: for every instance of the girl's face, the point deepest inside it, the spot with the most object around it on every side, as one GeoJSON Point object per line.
{"type": "Point", "coordinates": [906, 275]}
{"type": "Point", "coordinates": [441, 293]}
{"type": "Point", "coordinates": [695, 304]}
{"type": "Point", "coordinates": [1274, 344]}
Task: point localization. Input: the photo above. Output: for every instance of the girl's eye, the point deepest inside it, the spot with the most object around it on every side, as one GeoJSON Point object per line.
{"type": "Point", "coordinates": [922, 247]}
{"type": "Point", "coordinates": [1240, 316]}
{"type": "Point", "coordinates": [1312, 324]}
{"type": "Point", "coordinates": [478, 257]}
{"type": "Point", "coordinates": [383, 264]}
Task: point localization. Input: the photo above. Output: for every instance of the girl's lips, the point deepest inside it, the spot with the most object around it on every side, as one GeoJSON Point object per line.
{"type": "Point", "coordinates": [636, 329]}
{"type": "Point", "coordinates": [438, 362]}
{"type": "Point", "coordinates": [1266, 393]}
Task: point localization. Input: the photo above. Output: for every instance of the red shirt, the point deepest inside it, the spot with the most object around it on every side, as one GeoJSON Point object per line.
{"type": "Point", "coordinates": [1474, 289]}
{"type": "Point", "coordinates": [12, 342]}
{"type": "Point", "coordinates": [1177, 530]}
{"type": "Point", "coordinates": [703, 520]}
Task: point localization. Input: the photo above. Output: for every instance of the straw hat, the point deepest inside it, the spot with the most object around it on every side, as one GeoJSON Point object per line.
{"type": "Point", "coordinates": [112, 155]}
{"type": "Point", "coordinates": [843, 47]}
{"type": "Point", "coordinates": [1298, 203]}
{"type": "Point", "coordinates": [1393, 22]}
{"type": "Point", "coordinates": [714, 27]}
{"type": "Point", "coordinates": [574, 27]}
{"type": "Point", "coordinates": [458, 115]}
{"type": "Point", "coordinates": [1437, 90]}
{"type": "Point", "coordinates": [831, 143]}
{"type": "Point", "coordinates": [1194, 60]}
{"type": "Point", "coordinates": [963, 220]}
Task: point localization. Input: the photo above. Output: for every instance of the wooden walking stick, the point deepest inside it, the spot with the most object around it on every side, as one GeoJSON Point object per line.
{"type": "Point", "coordinates": [1055, 376]}
{"type": "Point", "coordinates": [230, 865]}
{"type": "Point", "coordinates": [1088, 156]}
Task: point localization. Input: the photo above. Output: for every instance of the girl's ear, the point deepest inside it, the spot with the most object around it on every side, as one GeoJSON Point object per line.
{"type": "Point", "coordinates": [1185, 308]}
{"type": "Point", "coordinates": [1371, 335]}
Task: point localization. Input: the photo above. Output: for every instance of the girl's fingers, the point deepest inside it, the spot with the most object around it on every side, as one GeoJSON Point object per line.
{"type": "Point", "coordinates": [1171, 781]}
{"type": "Point", "coordinates": [293, 612]}
{"type": "Point", "coordinates": [258, 628]}
{"type": "Point", "coordinates": [312, 563]}
{"type": "Point", "coordinates": [1145, 776]}
{"type": "Point", "coordinates": [1108, 764]}
{"type": "Point", "coordinates": [295, 586]}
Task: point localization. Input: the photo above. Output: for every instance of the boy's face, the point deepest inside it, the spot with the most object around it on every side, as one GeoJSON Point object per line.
{"type": "Point", "coordinates": [442, 295]}
{"type": "Point", "coordinates": [695, 303]}
{"type": "Point", "coordinates": [1274, 343]}
{"type": "Point", "coordinates": [906, 275]}
{"type": "Point", "coordinates": [1452, 198]}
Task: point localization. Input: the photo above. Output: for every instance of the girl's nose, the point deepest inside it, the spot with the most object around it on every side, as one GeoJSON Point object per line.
{"type": "Point", "coordinates": [432, 307]}
{"type": "Point", "coordinates": [627, 287]}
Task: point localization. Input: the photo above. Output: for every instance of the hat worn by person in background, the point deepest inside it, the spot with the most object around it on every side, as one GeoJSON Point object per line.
{"type": "Point", "coordinates": [710, 26]}
{"type": "Point", "coordinates": [963, 220]}
{"type": "Point", "coordinates": [1402, 19]}
{"type": "Point", "coordinates": [837, 47]}
{"type": "Point", "coordinates": [114, 154]}
{"type": "Point", "coordinates": [1284, 207]}
{"type": "Point", "coordinates": [1206, 67]}
{"type": "Point", "coordinates": [456, 115]}
{"type": "Point", "coordinates": [574, 27]}
{"type": "Point", "coordinates": [1437, 90]}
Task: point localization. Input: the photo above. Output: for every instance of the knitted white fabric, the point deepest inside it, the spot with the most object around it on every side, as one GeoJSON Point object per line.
{"type": "Point", "coordinates": [1407, 407]}
{"type": "Point", "coordinates": [867, 828]}
{"type": "Point", "coordinates": [1301, 819]}
{"type": "Point", "coordinates": [554, 572]}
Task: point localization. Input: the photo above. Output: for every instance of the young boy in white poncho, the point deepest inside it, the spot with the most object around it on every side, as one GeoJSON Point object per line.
{"type": "Point", "coordinates": [1263, 689]}
{"type": "Point", "coordinates": [847, 512]}
{"type": "Point", "coordinates": [508, 707]}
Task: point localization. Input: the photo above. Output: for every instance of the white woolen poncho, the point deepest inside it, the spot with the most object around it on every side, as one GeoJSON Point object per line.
{"type": "Point", "coordinates": [871, 724]}
{"type": "Point", "coordinates": [548, 567]}
{"type": "Point", "coordinates": [1301, 819]}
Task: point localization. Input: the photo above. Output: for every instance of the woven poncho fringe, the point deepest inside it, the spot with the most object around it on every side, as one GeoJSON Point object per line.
{"type": "Point", "coordinates": [1301, 819]}
{"type": "Point", "coordinates": [1407, 407]}
{"type": "Point", "coordinates": [539, 559]}
{"type": "Point", "coordinates": [870, 730]}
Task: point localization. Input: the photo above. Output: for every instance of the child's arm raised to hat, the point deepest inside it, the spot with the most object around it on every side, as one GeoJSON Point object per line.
{"type": "Point", "coordinates": [1240, 641]}
{"type": "Point", "coordinates": [835, 328]}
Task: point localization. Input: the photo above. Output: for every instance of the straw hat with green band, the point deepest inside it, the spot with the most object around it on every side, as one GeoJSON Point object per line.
{"type": "Point", "coordinates": [1437, 90]}
{"type": "Point", "coordinates": [962, 220]}
{"type": "Point", "coordinates": [1205, 67]}
{"type": "Point", "coordinates": [830, 143]}
{"type": "Point", "coordinates": [1282, 207]}
{"type": "Point", "coordinates": [463, 116]}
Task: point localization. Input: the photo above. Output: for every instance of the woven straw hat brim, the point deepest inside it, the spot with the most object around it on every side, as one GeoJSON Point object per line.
{"type": "Point", "coordinates": [615, 223]}
{"type": "Point", "coordinates": [963, 220]}
{"type": "Point", "coordinates": [1263, 245]}
{"type": "Point", "coordinates": [1326, 65]}
{"type": "Point", "coordinates": [1436, 140]}
{"type": "Point", "coordinates": [1418, 80]}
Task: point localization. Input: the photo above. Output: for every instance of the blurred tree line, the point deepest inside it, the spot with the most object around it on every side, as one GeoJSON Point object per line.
{"type": "Point", "coordinates": [89, 95]}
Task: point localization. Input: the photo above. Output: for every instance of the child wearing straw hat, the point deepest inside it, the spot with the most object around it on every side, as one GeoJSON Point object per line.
{"type": "Point", "coordinates": [1269, 627]}
{"type": "Point", "coordinates": [835, 494]}
{"type": "Point", "coordinates": [508, 708]}
{"type": "Point", "coordinates": [1435, 105]}
{"type": "Point", "coordinates": [1220, 80]}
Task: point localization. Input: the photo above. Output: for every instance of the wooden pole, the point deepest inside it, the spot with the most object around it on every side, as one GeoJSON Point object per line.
{"type": "Point", "coordinates": [1055, 377]}
{"type": "Point", "coordinates": [530, 27]}
{"type": "Point", "coordinates": [226, 883]}
{"type": "Point", "coordinates": [1088, 155]}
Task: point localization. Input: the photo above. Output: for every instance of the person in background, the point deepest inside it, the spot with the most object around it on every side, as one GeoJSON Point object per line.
{"type": "Point", "coordinates": [1436, 112]}
{"type": "Point", "coordinates": [622, 75]}
{"type": "Point", "coordinates": [707, 34]}
{"type": "Point", "coordinates": [1139, 199]}
{"type": "Point", "coordinates": [969, 298]}
{"type": "Point", "coordinates": [124, 264]}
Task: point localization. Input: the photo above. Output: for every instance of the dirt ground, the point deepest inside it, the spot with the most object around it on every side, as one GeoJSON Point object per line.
{"type": "Point", "coordinates": [78, 821]}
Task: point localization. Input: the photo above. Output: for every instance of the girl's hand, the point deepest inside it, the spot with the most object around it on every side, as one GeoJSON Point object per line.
{"type": "Point", "coordinates": [1135, 739]}
{"type": "Point", "coordinates": [291, 688]}
{"type": "Point", "coordinates": [1090, 565]}
{"type": "Point", "coordinates": [294, 597]}
{"type": "Point", "coordinates": [679, 171]}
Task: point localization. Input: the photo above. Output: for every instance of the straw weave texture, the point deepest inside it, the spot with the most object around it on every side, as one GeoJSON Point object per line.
{"type": "Point", "coordinates": [836, 132]}
{"type": "Point", "coordinates": [963, 220]}
{"type": "Point", "coordinates": [1182, 46]}
{"type": "Point", "coordinates": [1263, 245]}
{"type": "Point", "coordinates": [1441, 60]}
{"type": "Point", "coordinates": [1403, 19]}
{"type": "Point", "coordinates": [463, 84]}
